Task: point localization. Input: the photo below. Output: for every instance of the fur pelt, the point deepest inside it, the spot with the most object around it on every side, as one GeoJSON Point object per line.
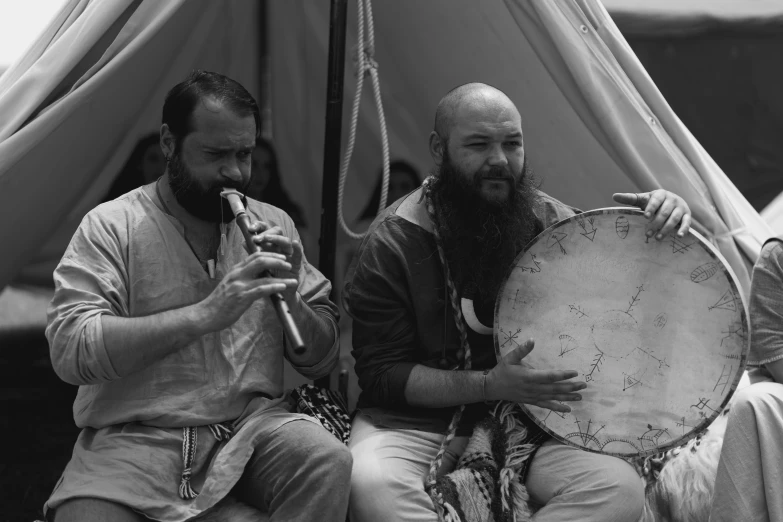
{"type": "Point", "coordinates": [680, 482]}
{"type": "Point", "coordinates": [680, 489]}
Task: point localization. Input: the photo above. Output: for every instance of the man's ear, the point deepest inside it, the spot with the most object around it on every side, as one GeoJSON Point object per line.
{"type": "Point", "coordinates": [436, 148]}
{"type": "Point", "coordinates": [167, 141]}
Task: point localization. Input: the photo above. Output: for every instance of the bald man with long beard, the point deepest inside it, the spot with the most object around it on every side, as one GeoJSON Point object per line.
{"type": "Point", "coordinates": [483, 209]}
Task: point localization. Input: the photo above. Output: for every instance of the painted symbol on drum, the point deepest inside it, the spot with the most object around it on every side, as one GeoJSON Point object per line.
{"type": "Point", "coordinates": [679, 246]}
{"type": "Point", "coordinates": [723, 379]}
{"type": "Point", "coordinates": [629, 381]}
{"type": "Point", "coordinates": [584, 434]}
{"type": "Point", "coordinates": [619, 445]}
{"type": "Point", "coordinates": [728, 301]}
{"type": "Point", "coordinates": [661, 362]}
{"type": "Point", "coordinates": [595, 366]}
{"type": "Point", "coordinates": [622, 227]}
{"type": "Point", "coordinates": [557, 238]}
{"type": "Point", "coordinates": [737, 330]}
{"type": "Point", "coordinates": [511, 337]}
{"type": "Point", "coordinates": [684, 425]}
{"type": "Point", "coordinates": [567, 344]}
{"type": "Point", "coordinates": [577, 310]}
{"type": "Point", "coordinates": [531, 269]}
{"type": "Point", "coordinates": [702, 405]}
{"type": "Point", "coordinates": [588, 230]}
{"type": "Point", "coordinates": [515, 300]}
{"type": "Point", "coordinates": [634, 300]}
{"type": "Point", "coordinates": [560, 414]}
{"type": "Point", "coordinates": [704, 272]}
{"type": "Point", "coordinates": [660, 320]}
{"type": "Point", "coordinates": [652, 437]}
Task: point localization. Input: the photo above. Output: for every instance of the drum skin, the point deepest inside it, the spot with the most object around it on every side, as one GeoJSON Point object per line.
{"type": "Point", "coordinates": [657, 329]}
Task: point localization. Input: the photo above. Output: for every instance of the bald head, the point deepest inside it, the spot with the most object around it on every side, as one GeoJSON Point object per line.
{"type": "Point", "coordinates": [469, 101]}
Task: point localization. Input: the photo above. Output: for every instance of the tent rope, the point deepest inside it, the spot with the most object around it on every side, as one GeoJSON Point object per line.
{"type": "Point", "coordinates": [365, 64]}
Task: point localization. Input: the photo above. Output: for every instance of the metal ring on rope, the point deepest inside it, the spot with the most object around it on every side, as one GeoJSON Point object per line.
{"type": "Point", "coordinates": [366, 63]}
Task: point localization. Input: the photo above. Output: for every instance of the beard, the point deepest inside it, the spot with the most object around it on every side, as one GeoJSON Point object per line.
{"type": "Point", "coordinates": [482, 238]}
{"type": "Point", "coordinates": [203, 202]}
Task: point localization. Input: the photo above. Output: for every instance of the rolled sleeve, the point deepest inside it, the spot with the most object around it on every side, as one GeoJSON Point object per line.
{"type": "Point", "coordinates": [384, 328]}
{"type": "Point", "coordinates": [315, 289]}
{"type": "Point", "coordinates": [325, 366]}
{"type": "Point", "coordinates": [89, 282]}
{"type": "Point", "coordinates": [766, 305]}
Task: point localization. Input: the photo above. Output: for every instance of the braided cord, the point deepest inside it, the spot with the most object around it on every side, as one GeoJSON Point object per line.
{"type": "Point", "coordinates": [220, 431]}
{"type": "Point", "coordinates": [437, 497]}
{"type": "Point", "coordinates": [365, 64]}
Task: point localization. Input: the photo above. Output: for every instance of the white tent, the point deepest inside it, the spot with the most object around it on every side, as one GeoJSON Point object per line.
{"type": "Point", "coordinates": [72, 108]}
{"type": "Point", "coordinates": [773, 214]}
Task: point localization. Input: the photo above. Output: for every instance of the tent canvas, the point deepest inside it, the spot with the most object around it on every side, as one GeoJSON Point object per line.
{"type": "Point", "coordinates": [594, 122]}
{"type": "Point", "coordinates": [667, 17]}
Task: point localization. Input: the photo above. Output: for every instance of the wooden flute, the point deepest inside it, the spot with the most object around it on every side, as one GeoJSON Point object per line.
{"type": "Point", "coordinates": [293, 335]}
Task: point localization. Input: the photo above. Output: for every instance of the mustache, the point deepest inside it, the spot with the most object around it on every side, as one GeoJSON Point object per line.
{"type": "Point", "coordinates": [498, 173]}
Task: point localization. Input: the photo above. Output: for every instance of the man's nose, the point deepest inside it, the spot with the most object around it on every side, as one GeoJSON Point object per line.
{"type": "Point", "coordinates": [230, 169]}
{"type": "Point", "coordinates": [497, 156]}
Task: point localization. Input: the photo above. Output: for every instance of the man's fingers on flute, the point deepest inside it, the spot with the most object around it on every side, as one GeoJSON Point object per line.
{"type": "Point", "coordinates": [275, 243]}
{"type": "Point", "coordinates": [256, 227]}
{"type": "Point", "coordinates": [271, 285]}
{"type": "Point", "coordinates": [260, 261]}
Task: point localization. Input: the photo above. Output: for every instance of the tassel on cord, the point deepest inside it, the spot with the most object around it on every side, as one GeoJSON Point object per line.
{"type": "Point", "coordinates": [513, 495]}
{"type": "Point", "coordinates": [221, 432]}
{"type": "Point", "coordinates": [189, 441]}
{"type": "Point", "coordinates": [223, 240]}
{"type": "Point", "coordinates": [451, 513]}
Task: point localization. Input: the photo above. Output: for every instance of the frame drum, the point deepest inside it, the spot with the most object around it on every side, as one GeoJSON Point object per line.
{"type": "Point", "coordinates": [657, 330]}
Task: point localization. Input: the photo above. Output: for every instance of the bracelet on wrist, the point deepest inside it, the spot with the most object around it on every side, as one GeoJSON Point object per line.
{"type": "Point", "coordinates": [484, 386]}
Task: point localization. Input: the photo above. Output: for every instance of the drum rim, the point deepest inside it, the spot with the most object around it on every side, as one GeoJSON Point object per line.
{"type": "Point", "coordinates": [734, 285]}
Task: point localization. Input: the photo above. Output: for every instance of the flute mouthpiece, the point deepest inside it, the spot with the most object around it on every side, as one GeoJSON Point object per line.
{"type": "Point", "coordinates": [234, 198]}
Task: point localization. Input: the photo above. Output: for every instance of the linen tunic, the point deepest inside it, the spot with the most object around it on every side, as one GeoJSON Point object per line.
{"type": "Point", "coordinates": [129, 259]}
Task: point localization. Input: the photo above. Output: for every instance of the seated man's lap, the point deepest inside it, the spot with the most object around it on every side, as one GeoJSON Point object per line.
{"type": "Point", "coordinates": [569, 481]}
{"type": "Point", "coordinates": [298, 458]}
{"type": "Point", "coordinates": [390, 465]}
{"type": "Point", "coordinates": [389, 468]}
{"type": "Point", "coordinates": [94, 509]}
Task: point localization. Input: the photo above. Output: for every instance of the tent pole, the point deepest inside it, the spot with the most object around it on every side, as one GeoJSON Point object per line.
{"type": "Point", "coordinates": [334, 109]}
{"type": "Point", "coordinates": [331, 171]}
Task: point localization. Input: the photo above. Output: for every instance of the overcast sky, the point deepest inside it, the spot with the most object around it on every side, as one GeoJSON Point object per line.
{"type": "Point", "coordinates": [21, 21]}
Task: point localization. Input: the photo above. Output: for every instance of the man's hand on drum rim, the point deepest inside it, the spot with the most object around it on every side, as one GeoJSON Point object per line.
{"type": "Point", "coordinates": [513, 380]}
{"type": "Point", "coordinates": [665, 210]}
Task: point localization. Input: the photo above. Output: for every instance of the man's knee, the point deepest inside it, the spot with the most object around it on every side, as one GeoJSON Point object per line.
{"type": "Point", "coordinates": [322, 452]}
{"type": "Point", "coordinates": [623, 490]}
{"type": "Point", "coordinates": [757, 398]}
{"type": "Point", "coordinates": [94, 509]}
{"type": "Point", "coordinates": [366, 475]}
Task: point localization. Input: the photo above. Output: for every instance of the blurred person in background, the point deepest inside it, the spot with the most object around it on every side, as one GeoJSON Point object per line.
{"type": "Point", "coordinates": [145, 164]}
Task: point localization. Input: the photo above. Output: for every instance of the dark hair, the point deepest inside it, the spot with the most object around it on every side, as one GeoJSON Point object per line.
{"type": "Point", "coordinates": [131, 176]}
{"type": "Point", "coordinates": [274, 193]}
{"type": "Point", "coordinates": [371, 210]}
{"type": "Point", "coordinates": [182, 99]}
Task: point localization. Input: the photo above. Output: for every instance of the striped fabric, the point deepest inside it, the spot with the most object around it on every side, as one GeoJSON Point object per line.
{"type": "Point", "coordinates": [327, 406]}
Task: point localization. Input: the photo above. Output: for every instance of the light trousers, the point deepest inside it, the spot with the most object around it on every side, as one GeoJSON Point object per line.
{"type": "Point", "coordinates": [749, 481]}
{"type": "Point", "coordinates": [564, 483]}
